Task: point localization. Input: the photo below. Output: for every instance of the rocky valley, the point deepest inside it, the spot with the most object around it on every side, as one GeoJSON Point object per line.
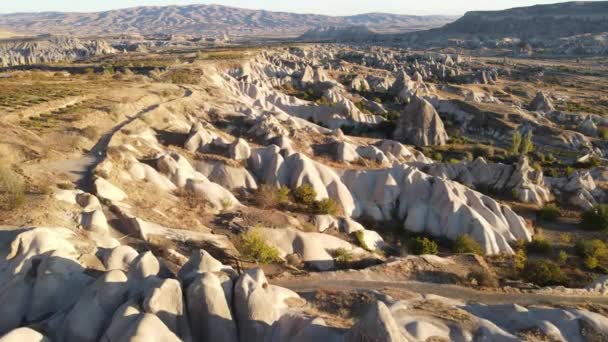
{"type": "Point", "coordinates": [179, 189]}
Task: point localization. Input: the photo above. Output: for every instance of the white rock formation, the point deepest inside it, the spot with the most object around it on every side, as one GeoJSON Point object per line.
{"type": "Point", "coordinates": [420, 124]}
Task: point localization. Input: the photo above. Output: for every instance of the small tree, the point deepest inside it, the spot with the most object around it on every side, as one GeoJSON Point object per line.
{"type": "Point", "coordinates": [549, 212]}
{"type": "Point", "coordinates": [539, 245]}
{"type": "Point", "coordinates": [326, 206]}
{"type": "Point", "coordinates": [419, 246]}
{"type": "Point", "coordinates": [253, 246]}
{"type": "Point", "coordinates": [515, 142]}
{"type": "Point", "coordinates": [466, 244]}
{"type": "Point", "coordinates": [527, 145]}
{"type": "Point", "coordinates": [543, 273]}
{"type": "Point", "coordinates": [596, 218]}
{"type": "Point", "coordinates": [305, 194]}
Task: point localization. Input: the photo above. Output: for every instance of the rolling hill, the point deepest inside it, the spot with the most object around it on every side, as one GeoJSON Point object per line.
{"type": "Point", "coordinates": [204, 19]}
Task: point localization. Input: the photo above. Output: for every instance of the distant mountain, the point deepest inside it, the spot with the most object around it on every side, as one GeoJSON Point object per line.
{"type": "Point", "coordinates": [204, 19]}
{"type": "Point", "coordinates": [534, 22]}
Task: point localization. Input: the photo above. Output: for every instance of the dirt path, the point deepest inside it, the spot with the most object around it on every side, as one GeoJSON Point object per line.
{"type": "Point", "coordinates": [80, 169]}
{"type": "Point", "coordinates": [445, 290]}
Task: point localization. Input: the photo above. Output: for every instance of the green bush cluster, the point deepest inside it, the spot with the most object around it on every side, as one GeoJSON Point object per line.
{"type": "Point", "coordinates": [466, 244]}
{"type": "Point", "coordinates": [549, 212]}
{"type": "Point", "coordinates": [253, 247]}
{"type": "Point", "coordinates": [326, 206]}
{"type": "Point", "coordinates": [361, 241]}
{"type": "Point", "coordinates": [594, 253]}
{"type": "Point", "coordinates": [539, 245]}
{"type": "Point", "coordinates": [422, 245]}
{"type": "Point", "coordinates": [305, 194]}
{"type": "Point", "coordinates": [596, 218]}
{"type": "Point", "coordinates": [343, 256]}
{"type": "Point", "coordinates": [543, 273]}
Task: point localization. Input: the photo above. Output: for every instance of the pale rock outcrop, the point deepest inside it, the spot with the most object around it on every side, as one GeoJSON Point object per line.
{"type": "Point", "coordinates": [95, 221]}
{"type": "Point", "coordinates": [258, 305]}
{"type": "Point", "coordinates": [183, 175]}
{"type": "Point", "coordinates": [315, 249]}
{"type": "Point", "coordinates": [95, 307]}
{"type": "Point", "coordinates": [426, 203]}
{"type": "Point", "coordinates": [165, 301]}
{"type": "Point", "coordinates": [108, 191]}
{"type": "Point", "coordinates": [120, 258]}
{"type": "Point", "coordinates": [201, 262]}
{"type": "Point", "coordinates": [147, 327]}
{"type": "Point", "coordinates": [434, 205]}
{"type": "Point", "coordinates": [359, 83]}
{"type": "Point", "coordinates": [150, 232]}
{"type": "Point", "coordinates": [325, 222]}
{"type": "Point", "coordinates": [578, 189]}
{"type": "Point", "coordinates": [419, 124]}
{"type": "Point", "coordinates": [558, 324]}
{"type": "Point", "coordinates": [209, 311]}
{"type": "Point", "coordinates": [588, 127]}
{"type": "Point", "coordinates": [145, 172]}
{"type": "Point", "coordinates": [229, 177]}
{"type": "Point", "coordinates": [520, 179]}
{"type": "Point", "coordinates": [24, 334]}
{"type": "Point", "coordinates": [200, 138]}
{"type": "Point", "coordinates": [371, 240]}
{"type": "Point", "coordinates": [541, 103]}
{"type": "Point", "coordinates": [239, 150]}
{"type": "Point", "coordinates": [377, 324]}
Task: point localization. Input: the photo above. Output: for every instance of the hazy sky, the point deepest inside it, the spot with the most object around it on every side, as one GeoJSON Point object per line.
{"type": "Point", "coordinates": [331, 7]}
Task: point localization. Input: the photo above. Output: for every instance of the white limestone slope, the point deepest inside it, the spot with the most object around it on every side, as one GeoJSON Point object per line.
{"type": "Point", "coordinates": [422, 202]}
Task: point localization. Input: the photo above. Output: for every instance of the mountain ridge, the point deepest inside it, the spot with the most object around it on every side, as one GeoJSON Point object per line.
{"type": "Point", "coordinates": [204, 19]}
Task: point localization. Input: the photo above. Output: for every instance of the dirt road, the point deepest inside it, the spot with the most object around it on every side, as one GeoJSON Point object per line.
{"type": "Point", "coordinates": [445, 290]}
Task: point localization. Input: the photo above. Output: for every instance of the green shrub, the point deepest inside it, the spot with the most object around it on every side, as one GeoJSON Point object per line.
{"type": "Point", "coordinates": [305, 194]}
{"type": "Point", "coordinates": [12, 189]}
{"type": "Point", "coordinates": [326, 206]}
{"type": "Point", "coordinates": [253, 247]}
{"type": "Point", "coordinates": [538, 245]}
{"type": "Point", "coordinates": [466, 244]}
{"type": "Point", "coordinates": [515, 142]}
{"type": "Point", "coordinates": [543, 273]}
{"type": "Point", "coordinates": [437, 156]}
{"type": "Point", "coordinates": [596, 218]}
{"type": "Point", "coordinates": [562, 257]}
{"type": "Point", "coordinates": [283, 194]}
{"type": "Point", "coordinates": [361, 241]}
{"type": "Point", "coordinates": [420, 246]}
{"type": "Point", "coordinates": [526, 145]}
{"type": "Point", "coordinates": [591, 263]}
{"type": "Point", "coordinates": [343, 256]}
{"type": "Point", "coordinates": [549, 212]}
{"type": "Point", "coordinates": [519, 259]}
{"type": "Point", "coordinates": [591, 248]}
{"type": "Point", "coordinates": [603, 131]}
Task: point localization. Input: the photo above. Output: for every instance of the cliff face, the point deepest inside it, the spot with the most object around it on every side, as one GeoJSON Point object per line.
{"type": "Point", "coordinates": [550, 21]}
{"type": "Point", "coordinates": [50, 49]}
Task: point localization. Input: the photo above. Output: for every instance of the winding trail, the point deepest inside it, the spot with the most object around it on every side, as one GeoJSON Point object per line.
{"type": "Point", "coordinates": [467, 294]}
{"type": "Point", "coordinates": [79, 170]}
